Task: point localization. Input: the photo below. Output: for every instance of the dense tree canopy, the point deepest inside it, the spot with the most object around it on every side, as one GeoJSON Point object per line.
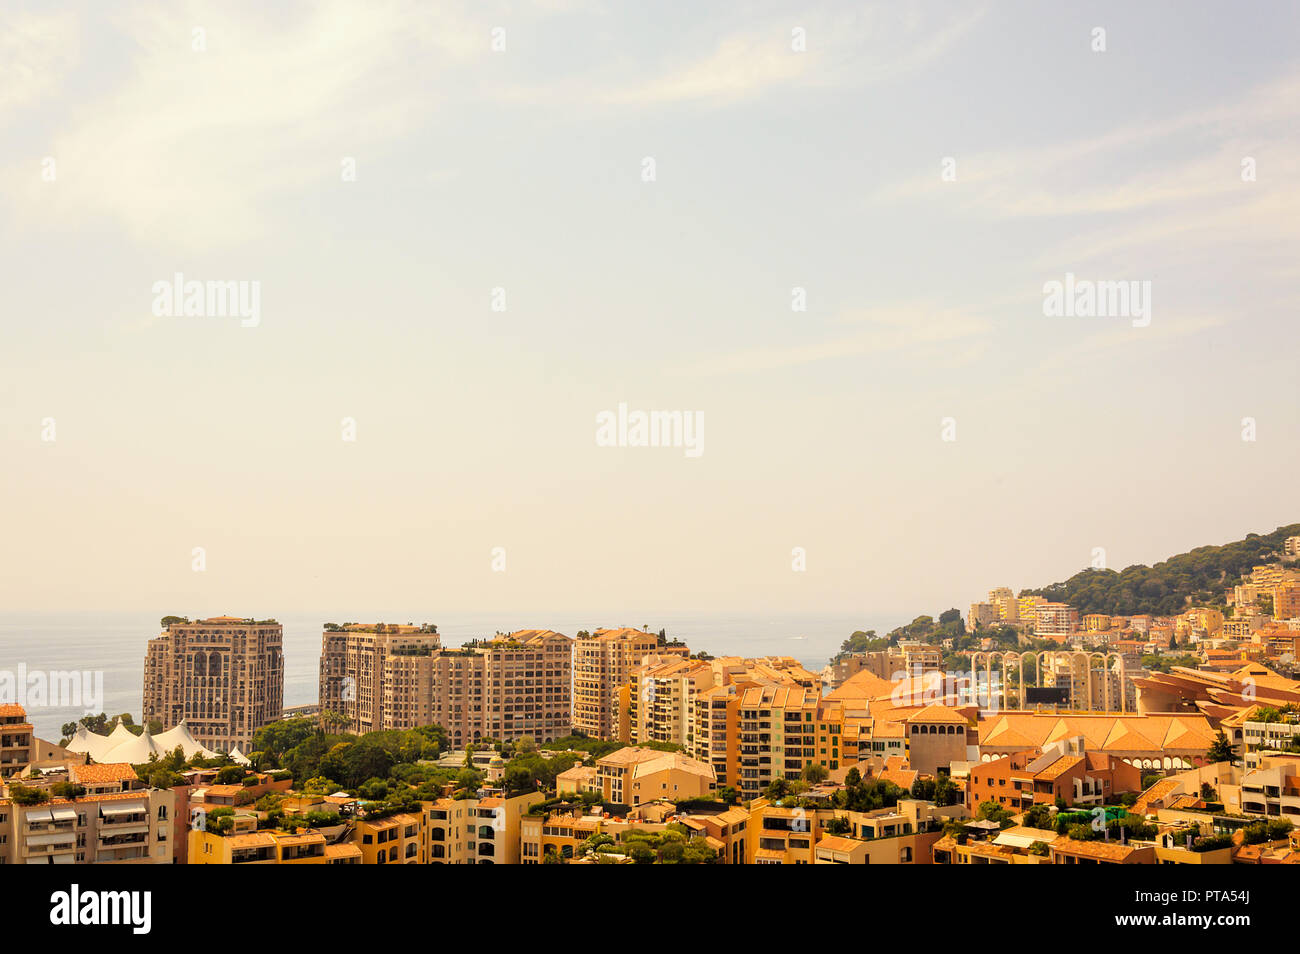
{"type": "Point", "coordinates": [1198, 577]}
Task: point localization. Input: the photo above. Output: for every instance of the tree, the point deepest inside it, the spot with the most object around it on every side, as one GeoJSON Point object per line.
{"type": "Point", "coordinates": [231, 775]}
{"type": "Point", "coordinates": [1039, 816]}
{"type": "Point", "coordinates": [1221, 750]}
{"type": "Point", "coordinates": [777, 789]}
{"type": "Point", "coordinates": [1081, 832]}
{"type": "Point", "coordinates": [815, 772]}
{"type": "Point", "coordinates": [22, 795]}
{"type": "Point", "coordinates": [946, 792]}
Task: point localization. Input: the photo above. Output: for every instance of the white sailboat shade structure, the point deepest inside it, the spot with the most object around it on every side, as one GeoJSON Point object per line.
{"type": "Point", "coordinates": [123, 745]}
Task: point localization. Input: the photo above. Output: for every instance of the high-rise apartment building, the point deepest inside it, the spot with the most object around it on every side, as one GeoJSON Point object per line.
{"type": "Point", "coordinates": [358, 683]}
{"type": "Point", "coordinates": [1005, 603]}
{"type": "Point", "coordinates": [1286, 600]}
{"type": "Point", "coordinates": [663, 698]}
{"type": "Point", "coordinates": [1055, 619]}
{"type": "Point", "coordinates": [505, 688]}
{"type": "Point", "coordinates": [400, 677]}
{"type": "Point", "coordinates": [603, 664]}
{"type": "Point", "coordinates": [224, 676]}
{"type": "Point", "coordinates": [778, 731]}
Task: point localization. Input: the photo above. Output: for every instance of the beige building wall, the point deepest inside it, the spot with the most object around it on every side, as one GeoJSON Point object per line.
{"type": "Point", "coordinates": [132, 827]}
{"type": "Point", "coordinates": [223, 676]}
{"type": "Point", "coordinates": [506, 688]}
{"type": "Point", "coordinates": [603, 664]}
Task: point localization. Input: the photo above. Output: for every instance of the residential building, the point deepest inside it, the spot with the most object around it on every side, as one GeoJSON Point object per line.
{"type": "Point", "coordinates": [634, 776]}
{"type": "Point", "coordinates": [603, 665]}
{"type": "Point", "coordinates": [357, 683]}
{"type": "Point", "coordinates": [485, 830]}
{"type": "Point", "coordinates": [223, 677]}
{"type": "Point", "coordinates": [778, 735]}
{"type": "Point", "coordinates": [1286, 600]}
{"type": "Point", "coordinates": [794, 835]}
{"type": "Point", "coordinates": [980, 615]}
{"type": "Point", "coordinates": [379, 676]}
{"type": "Point", "coordinates": [1064, 772]}
{"type": "Point", "coordinates": [1004, 602]}
{"type": "Point", "coordinates": [1153, 741]}
{"type": "Point", "coordinates": [1067, 851]}
{"type": "Point", "coordinates": [505, 688]}
{"type": "Point", "coordinates": [1273, 789]}
{"type": "Point", "coordinates": [17, 740]}
{"type": "Point", "coordinates": [1055, 620]}
{"type": "Point", "coordinates": [107, 825]}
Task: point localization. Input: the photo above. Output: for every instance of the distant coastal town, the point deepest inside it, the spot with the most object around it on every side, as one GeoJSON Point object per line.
{"type": "Point", "coordinates": [1143, 716]}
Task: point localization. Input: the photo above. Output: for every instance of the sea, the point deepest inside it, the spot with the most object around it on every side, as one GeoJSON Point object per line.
{"type": "Point", "coordinates": [109, 648]}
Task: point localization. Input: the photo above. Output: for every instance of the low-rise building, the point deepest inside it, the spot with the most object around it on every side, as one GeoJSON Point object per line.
{"type": "Point", "coordinates": [111, 827]}
{"type": "Point", "coordinates": [634, 776]}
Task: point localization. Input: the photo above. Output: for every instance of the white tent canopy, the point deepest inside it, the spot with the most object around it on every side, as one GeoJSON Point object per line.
{"type": "Point", "coordinates": [123, 745]}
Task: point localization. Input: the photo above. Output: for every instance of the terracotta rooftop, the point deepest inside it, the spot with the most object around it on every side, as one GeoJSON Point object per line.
{"type": "Point", "coordinates": [1103, 850]}
{"type": "Point", "coordinates": [836, 843]}
{"type": "Point", "coordinates": [101, 774]}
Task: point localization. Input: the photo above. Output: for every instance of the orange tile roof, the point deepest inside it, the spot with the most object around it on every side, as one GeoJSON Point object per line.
{"type": "Point", "coordinates": [938, 714]}
{"type": "Point", "coordinates": [101, 774]}
{"type": "Point", "coordinates": [251, 840]}
{"type": "Point", "coordinates": [224, 789]}
{"type": "Point", "coordinates": [990, 848]}
{"type": "Point", "coordinates": [1059, 767]}
{"type": "Point", "coordinates": [836, 843]}
{"type": "Point", "coordinates": [1109, 850]}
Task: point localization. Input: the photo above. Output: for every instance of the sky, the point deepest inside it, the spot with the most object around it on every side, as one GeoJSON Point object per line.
{"type": "Point", "coordinates": [459, 248]}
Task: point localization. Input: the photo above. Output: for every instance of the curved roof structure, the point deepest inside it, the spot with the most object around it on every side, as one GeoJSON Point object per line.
{"type": "Point", "coordinates": [123, 745]}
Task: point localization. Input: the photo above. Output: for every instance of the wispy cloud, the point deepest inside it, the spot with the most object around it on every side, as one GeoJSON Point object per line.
{"type": "Point", "coordinates": [189, 146]}
{"type": "Point", "coordinates": [36, 52]}
{"type": "Point", "coordinates": [1107, 173]}
{"type": "Point", "coordinates": [873, 44]}
{"type": "Point", "coordinates": [877, 331]}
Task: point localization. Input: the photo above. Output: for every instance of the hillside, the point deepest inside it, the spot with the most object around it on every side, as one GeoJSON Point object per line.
{"type": "Point", "coordinates": [1197, 577]}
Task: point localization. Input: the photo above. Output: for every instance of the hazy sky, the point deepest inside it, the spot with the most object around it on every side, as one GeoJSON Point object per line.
{"type": "Point", "coordinates": [522, 169]}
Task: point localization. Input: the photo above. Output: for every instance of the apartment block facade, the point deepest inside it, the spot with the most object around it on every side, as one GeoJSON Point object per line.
{"type": "Point", "coordinates": [1055, 619]}
{"type": "Point", "coordinates": [634, 776]}
{"type": "Point", "coordinates": [400, 677]}
{"type": "Point", "coordinates": [17, 742]}
{"type": "Point", "coordinates": [505, 689]}
{"type": "Point", "coordinates": [118, 827]}
{"type": "Point", "coordinates": [603, 666]}
{"type": "Point", "coordinates": [223, 676]}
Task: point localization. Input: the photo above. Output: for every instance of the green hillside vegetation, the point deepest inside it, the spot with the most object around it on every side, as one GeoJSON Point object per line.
{"type": "Point", "coordinates": [1196, 578]}
{"type": "Point", "coordinates": [924, 628]}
